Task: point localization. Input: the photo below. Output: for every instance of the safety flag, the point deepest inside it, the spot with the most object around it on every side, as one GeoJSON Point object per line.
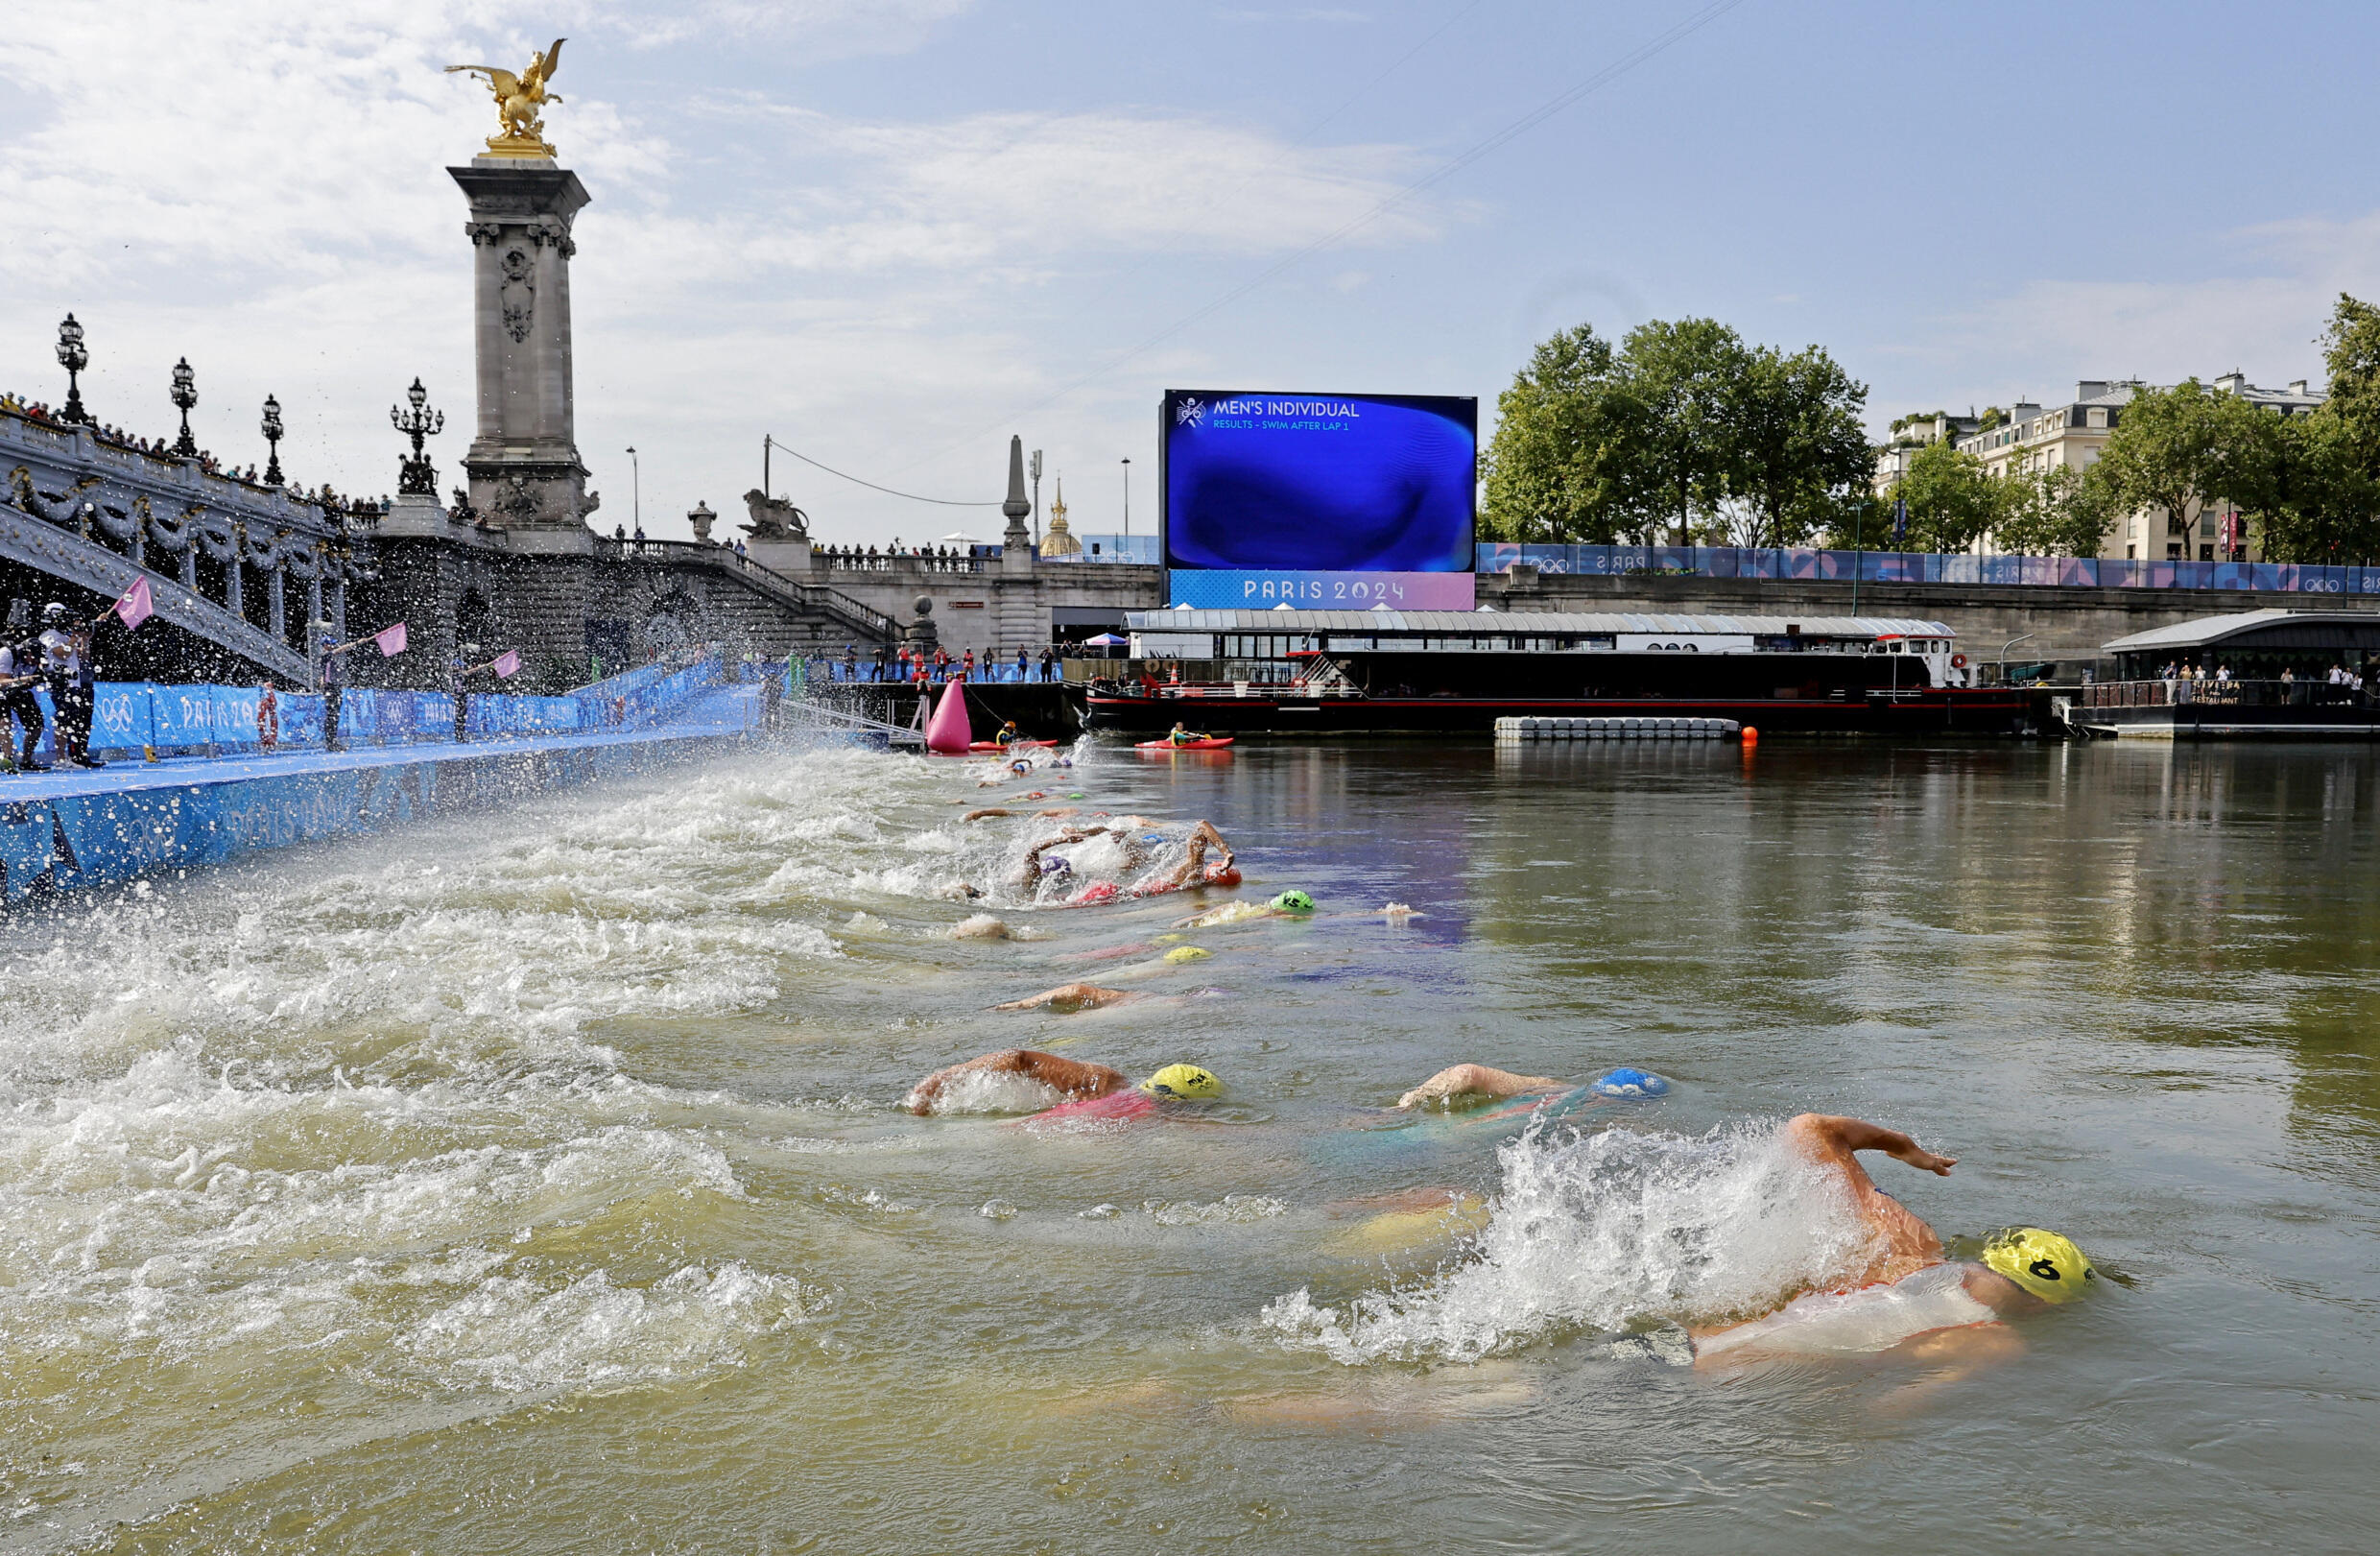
{"type": "Point", "coordinates": [392, 640]}
{"type": "Point", "coordinates": [507, 663]}
{"type": "Point", "coordinates": [136, 607]}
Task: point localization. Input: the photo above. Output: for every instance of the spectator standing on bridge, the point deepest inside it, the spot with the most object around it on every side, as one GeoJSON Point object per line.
{"type": "Point", "coordinates": [66, 656]}
{"type": "Point", "coordinates": [1049, 661]}
{"type": "Point", "coordinates": [640, 537]}
{"type": "Point", "coordinates": [878, 672]}
{"type": "Point", "coordinates": [738, 552]}
{"type": "Point", "coordinates": [966, 666]}
{"type": "Point", "coordinates": [20, 672]}
{"type": "Point", "coordinates": [851, 661]}
{"type": "Point", "coordinates": [942, 663]}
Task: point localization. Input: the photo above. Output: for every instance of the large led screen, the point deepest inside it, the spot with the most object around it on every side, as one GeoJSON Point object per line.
{"type": "Point", "coordinates": [1319, 482]}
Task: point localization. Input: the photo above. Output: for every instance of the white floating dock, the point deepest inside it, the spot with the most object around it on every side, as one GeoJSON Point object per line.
{"type": "Point", "coordinates": [1524, 730]}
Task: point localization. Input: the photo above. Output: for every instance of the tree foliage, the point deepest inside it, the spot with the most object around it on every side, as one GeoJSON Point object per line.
{"type": "Point", "coordinates": [1682, 432]}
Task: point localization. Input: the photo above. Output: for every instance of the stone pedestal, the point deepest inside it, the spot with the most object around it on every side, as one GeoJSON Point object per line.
{"type": "Point", "coordinates": [412, 516]}
{"type": "Point", "coordinates": [523, 463]}
{"type": "Point", "coordinates": [791, 558]}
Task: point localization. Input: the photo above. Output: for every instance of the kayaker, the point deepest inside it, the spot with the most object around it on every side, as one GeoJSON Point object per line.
{"type": "Point", "coordinates": [1180, 737]}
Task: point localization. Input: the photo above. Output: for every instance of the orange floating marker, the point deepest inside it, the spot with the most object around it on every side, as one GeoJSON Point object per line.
{"type": "Point", "coordinates": [1752, 735]}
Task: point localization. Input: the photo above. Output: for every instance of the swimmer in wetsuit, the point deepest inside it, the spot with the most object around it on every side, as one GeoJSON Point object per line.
{"type": "Point", "coordinates": [1907, 1292]}
{"type": "Point", "coordinates": [1075, 1081]}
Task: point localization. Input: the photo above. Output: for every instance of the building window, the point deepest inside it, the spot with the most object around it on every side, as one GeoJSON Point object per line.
{"type": "Point", "coordinates": [2096, 416]}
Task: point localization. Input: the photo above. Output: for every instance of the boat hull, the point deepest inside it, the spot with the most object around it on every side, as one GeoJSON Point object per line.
{"type": "Point", "coordinates": [1992, 710]}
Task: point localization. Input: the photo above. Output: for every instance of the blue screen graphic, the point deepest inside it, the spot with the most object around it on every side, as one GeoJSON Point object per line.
{"type": "Point", "coordinates": [1319, 483]}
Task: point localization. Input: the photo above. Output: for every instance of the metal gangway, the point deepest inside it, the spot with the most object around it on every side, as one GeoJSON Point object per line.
{"type": "Point", "coordinates": [799, 707]}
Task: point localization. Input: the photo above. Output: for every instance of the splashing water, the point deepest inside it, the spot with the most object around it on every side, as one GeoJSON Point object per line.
{"type": "Point", "coordinates": [1601, 1232]}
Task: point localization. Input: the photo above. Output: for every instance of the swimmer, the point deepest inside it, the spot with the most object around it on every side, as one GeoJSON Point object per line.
{"type": "Point", "coordinates": [1289, 904]}
{"type": "Point", "coordinates": [1059, 814]}
{"type": "Point", "coordinates": [1907, 1289]}
{"type": "Point", "coordinates": [1035, 868]}
{"type": "Point", "coordinates": [1068, 999]}
{"type": "Point", "coordinates": [1071, 1078]}
{"type": "Point", "coordinates": [1195, 870]}
{"type": "Point", "coordinates": [1079, 1084]}
{"type": "Point", "coordinates": [1460, 1086]}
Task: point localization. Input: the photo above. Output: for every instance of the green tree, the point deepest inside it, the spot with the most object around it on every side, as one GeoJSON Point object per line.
{"type": "Point", "coordinates": [2174, 449]}
{"type": "Point", "coordinates": [2061, 512]}
{"type": "Point", "coordinates": [1559, 459]}
{"type": "Point", "coordinates": [1795, 425]}
{"type": "Point", "coordinates": [1951, 502]}
{"type": "Point", "coordinates": [1683, 429]}
{"type": "Point", "coordinates": [1687, 379]}
{"type": "Point", "coordinates": [2325, 499]}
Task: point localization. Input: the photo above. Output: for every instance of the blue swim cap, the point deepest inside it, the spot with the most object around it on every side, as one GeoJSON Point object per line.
{"type": "Point", "coordinates": [1630, 1082]}
{"type": "Point", "coordinates": [1052, 865]}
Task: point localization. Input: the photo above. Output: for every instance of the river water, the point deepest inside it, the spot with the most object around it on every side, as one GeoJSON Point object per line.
{"type": "Point", "coordinates": [535, 1181]}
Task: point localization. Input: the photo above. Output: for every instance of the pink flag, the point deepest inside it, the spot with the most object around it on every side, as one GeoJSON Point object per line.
{"type": "Point", "coordinates": [392, 640]}
{"type": "Point", "coordinates": [507, 663]}
{"type": "Point", "coordinates": [136, 607]}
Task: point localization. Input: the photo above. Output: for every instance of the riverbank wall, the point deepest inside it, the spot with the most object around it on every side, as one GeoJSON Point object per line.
{"type": "Point", "coordinates": [69, 831]}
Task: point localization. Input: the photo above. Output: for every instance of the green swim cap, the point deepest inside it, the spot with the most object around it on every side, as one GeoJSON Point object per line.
{"type": "Point", "coordinates": [1188, 953]}
{"type": "Point", "coordinates": [1294, 901]}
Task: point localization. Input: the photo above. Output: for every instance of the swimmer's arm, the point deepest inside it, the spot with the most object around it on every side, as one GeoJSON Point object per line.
{"type": "Point", "coordinates": [1476, 1080]}
{"type": "Point", "coordinates": [979, 815]}
{"type": "Point", "coordinates": [1828, 1135]}
{"type": "Point", "coordinates": [1074, 995]}
{"type": "Point", "coordinates": [1071, 1076]}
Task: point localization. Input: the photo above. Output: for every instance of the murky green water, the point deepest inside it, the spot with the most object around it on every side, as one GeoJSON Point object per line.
{"type": "Point", "coordinates": [536, 1184]}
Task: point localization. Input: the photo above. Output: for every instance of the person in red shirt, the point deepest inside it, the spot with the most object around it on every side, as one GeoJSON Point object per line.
{"type": "Point", "coordinates": [967, 666]}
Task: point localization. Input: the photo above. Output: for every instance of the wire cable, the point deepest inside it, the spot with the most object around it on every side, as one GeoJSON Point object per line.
{"type": "Point", "coordinates": [938, 502]}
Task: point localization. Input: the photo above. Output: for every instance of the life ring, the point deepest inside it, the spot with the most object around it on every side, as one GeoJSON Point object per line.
{"type": "Point", "coordinates": [1958, 661]}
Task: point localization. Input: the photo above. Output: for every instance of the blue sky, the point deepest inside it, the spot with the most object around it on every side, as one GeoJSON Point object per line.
{"type": "Point", "coordinates": [893, 232]}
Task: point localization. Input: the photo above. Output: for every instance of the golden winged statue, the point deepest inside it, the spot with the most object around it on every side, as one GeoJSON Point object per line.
{"type": "Point", "coordinates": [518, 101]}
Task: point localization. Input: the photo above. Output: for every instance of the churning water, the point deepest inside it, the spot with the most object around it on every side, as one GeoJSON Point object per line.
{"type": "Point", "coordinates": [538, 1181]}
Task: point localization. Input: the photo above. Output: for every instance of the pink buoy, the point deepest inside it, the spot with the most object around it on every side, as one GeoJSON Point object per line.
{"type": "Point", "coordinates": [949, 734]}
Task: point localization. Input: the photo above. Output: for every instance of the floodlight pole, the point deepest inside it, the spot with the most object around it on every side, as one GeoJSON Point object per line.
{"type": "Point", "coordinates": [1127, 501]}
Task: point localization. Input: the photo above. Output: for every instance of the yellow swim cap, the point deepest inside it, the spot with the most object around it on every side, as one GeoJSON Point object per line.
{"type": "Point", "coordinates": [2046, 1263]}
{"type": "Point", "coordinates": [1188, 953]}
{"type": "Point", "coordinates": [1185, 1081]}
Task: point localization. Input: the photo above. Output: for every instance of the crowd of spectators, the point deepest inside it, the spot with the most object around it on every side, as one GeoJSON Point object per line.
{"type": "Point", "coordinates": [932, 559]}
{"type": "Point", "coordinates": [935, 667]}
{"type": "Point", "coordinates": [324, 496]}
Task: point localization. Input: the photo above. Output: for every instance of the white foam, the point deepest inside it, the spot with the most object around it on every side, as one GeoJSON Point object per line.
{"type": "Point", "coordinates": [1596, 1232]}
{"type": "Point", "coordinates": [995, 1091]}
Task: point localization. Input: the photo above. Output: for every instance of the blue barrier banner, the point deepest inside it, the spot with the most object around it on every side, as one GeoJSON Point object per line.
{"type": "Point", "coordinates": [1930, 567]}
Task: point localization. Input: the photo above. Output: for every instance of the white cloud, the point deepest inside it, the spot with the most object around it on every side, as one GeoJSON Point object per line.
{"type": "Point", "coordinates": [2261, 319]}
{"type": "Point", "coordinates": [261, 187]}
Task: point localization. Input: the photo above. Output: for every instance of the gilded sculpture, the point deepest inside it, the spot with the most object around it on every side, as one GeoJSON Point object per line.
{"type": "Point", "coordinates": [519, 98]}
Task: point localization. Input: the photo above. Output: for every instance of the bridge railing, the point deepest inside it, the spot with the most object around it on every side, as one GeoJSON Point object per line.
{"type": "Point", "coordinates": [1926, 567]}
{"type": "Point", "coordinates": [767, 579]}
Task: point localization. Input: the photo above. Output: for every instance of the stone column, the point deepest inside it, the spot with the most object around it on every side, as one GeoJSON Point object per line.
{"type": "Point", "coordinates": [1016, 594]}
{"type": "Point", "coordinates": [523, 463]}
{"type": "Point", "coordinates": [276, 608]}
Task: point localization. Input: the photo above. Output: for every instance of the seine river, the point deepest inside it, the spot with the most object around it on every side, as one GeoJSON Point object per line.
{"type": "Point", "coordinates": [537, 1180]}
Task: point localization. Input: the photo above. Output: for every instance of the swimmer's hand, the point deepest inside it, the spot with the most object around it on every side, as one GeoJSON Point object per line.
{"type": "Point", "coordinates": [1475, 1080]}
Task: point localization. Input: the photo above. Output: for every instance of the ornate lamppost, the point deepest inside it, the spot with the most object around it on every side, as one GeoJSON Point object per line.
{"type": "Point", "coordinates": [72, 357]}
{"type": "Point", "coordinates": [417, 477]}
{"type": "Point", "coordinates": [186, 396]}
{"type": "Point", "coordinates": [272, 430]}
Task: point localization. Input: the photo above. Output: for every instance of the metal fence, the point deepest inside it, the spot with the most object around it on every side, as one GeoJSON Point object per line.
{"type": "Point", "coordinates": [1928, 567]}
{"type": "Point", "coordinates": [2179, 693]}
